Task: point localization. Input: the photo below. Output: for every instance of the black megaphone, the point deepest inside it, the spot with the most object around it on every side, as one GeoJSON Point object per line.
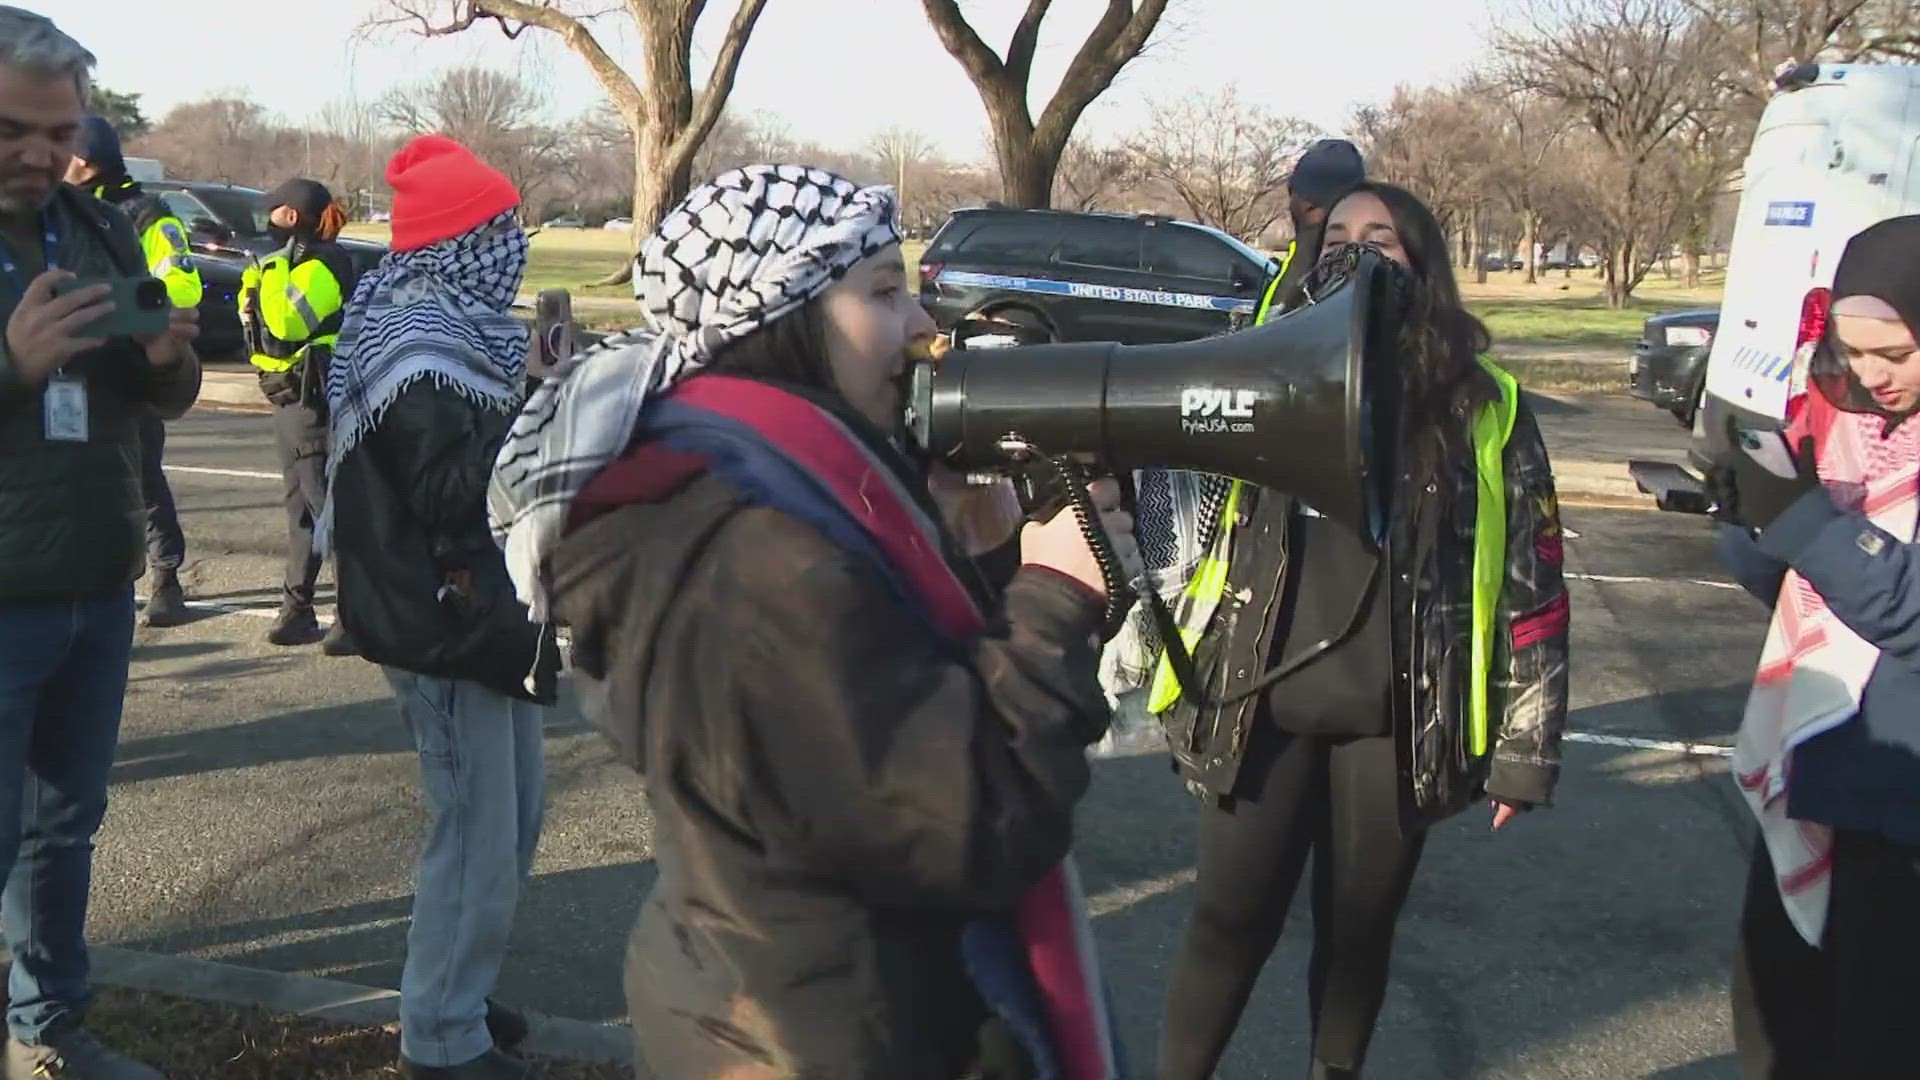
{"type": "Point", "coordinates": [1287, 405]}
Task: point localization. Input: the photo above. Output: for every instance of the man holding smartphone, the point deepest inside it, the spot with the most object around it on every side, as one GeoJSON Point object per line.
{"type": "Point", "coordinates": [72, 537]}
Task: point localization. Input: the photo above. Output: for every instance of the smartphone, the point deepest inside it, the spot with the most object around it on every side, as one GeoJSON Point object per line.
{"type": "Point", "coordinates": [552, 331]}
{"type": "Point", "coordinates": [140, 305]}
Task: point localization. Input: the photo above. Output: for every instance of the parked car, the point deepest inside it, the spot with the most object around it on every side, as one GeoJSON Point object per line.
{"type": "Point", "coordinates": [565, 221]}
{"type": "Point", "coordinates": [226, 228]}
{"type": "Point", "coordinates": [1067, 276]}
{"type": "Point", "coordinates": [1669, 362]}
{"type": "Point", "coordinates": [619, 224]}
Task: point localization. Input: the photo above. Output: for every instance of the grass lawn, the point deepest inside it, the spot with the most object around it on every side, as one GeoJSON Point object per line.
{"type": "Point", "coordinates": [1556, 334]}
{"type": "Point", "coordinates": [192, 1040]}
{"type": "Point", "coordinates": [1559, 311]}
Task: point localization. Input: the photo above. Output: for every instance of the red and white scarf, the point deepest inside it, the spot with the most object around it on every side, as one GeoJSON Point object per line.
{"type": "Point", "coordinates": [1813, 669]}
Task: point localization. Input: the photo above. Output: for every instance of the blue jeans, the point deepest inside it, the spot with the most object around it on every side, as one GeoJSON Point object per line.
{"type": "Point", "coordinates": [481, 768]}
{"type": "Point", "coordinates": [63, 680]}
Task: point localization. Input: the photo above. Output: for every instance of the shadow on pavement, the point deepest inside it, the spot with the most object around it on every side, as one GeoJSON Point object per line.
{"type": "Point", "coordinates": [369, 726]}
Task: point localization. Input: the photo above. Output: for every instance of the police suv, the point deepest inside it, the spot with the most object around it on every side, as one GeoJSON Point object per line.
{"type": "Point", "coordinates": [1064, 276]}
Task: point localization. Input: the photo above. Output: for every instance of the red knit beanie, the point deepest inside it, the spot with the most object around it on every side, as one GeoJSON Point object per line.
{"type": "Point", "coordinates": [441, 190]}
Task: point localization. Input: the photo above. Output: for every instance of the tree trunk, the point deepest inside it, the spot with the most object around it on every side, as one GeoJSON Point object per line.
{"type": "Point", "coordinates": [1619, 275]}
{"type": "Point", "coordinates": [1026, 170]}
{"type": "Point", "coordinates": [657, 185]}
{"type": "Point", "coordinates": [1530, 243]}
{"type": "Point", "coordinates": [1690, 270]}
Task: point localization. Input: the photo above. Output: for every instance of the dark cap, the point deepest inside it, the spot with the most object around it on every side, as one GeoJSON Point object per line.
{"type": "Point", "coordinates": [100, 145]}
{"type": "Point", "coordinates": [1325, 171]}
{"type": "Point", "coordinates": [309, 197]}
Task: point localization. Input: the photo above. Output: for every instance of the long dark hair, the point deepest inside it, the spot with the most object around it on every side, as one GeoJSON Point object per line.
{"type": "Point", "coordinates": [1440, 340]}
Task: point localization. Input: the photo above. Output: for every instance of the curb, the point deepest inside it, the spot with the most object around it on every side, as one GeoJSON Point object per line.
{"type": "Point", "coordinates": [554, 1037]}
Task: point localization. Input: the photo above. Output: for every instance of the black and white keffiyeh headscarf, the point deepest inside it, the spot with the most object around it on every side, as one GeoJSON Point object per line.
{"type": "Point", "coordinates": [441, 312]}
{"type": "Point", "coordinates": [738, 253]}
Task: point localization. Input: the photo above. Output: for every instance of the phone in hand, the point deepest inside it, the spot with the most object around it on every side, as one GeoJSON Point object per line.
{"type": "Point", "coordinates": [140, 305]}
{"type": "Point", "coordinates": [552, 331]}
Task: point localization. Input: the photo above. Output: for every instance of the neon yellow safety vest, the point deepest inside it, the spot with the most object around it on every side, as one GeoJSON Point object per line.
{"type": "Point", "coordinates": [1491, 431]}
{"type": "Point", "coordinates": [1266, 300]}
{"type": "Point", "coordinates": [163, 241]}
{"type": "Point", "coordinates": [292, 307]}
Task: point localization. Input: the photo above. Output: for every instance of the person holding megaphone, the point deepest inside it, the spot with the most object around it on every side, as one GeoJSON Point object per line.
{"type": "Point", "coordinates": [1402, 687]}
{"type": "Point", "coordinates": [862, 753]}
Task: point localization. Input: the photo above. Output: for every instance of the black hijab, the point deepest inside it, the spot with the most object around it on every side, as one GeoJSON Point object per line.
{"type": "Point", "coordinates": [1883, 262]}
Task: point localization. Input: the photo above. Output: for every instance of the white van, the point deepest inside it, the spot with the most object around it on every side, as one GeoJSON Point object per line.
{"type": "Point", "coordinates": [1837, 149]}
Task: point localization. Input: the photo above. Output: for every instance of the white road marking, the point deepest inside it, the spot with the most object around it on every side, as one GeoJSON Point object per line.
{"type": "Point", "coordinates": [244, 474]}
{"type": "Point", "coordinates": [1666, 745]}
{"type": "Point", "coordinates": [1616, 579]}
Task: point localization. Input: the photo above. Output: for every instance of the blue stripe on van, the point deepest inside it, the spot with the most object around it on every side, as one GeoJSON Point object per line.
{"type": "Point", "coordinates": [1772, 366]}
{"type": "Point", "coordinates": [1088, 291]}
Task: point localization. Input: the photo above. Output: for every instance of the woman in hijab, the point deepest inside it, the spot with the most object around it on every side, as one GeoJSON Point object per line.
{"type": "Point", "coordinates": [1828, 755]}
{"type": "Point", "coordinates": [862, 755]}
{"type": "Point", "coordinates": [1446, 684]}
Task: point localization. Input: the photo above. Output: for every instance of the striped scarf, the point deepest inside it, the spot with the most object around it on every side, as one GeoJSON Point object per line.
{"type": "Point", "coordinates": [1813, 669]}
{"type": "Point", "coordinates": [441, 312]}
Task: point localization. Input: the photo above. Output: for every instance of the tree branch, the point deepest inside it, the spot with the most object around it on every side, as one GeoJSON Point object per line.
{"type": "Point", "coordinates": [1118, 37]}
{"type": "Point", "coordinates": [963, 43]}
{"type": "Point", "coordinates": [726, 65]}
{"type": "Point", "coordinates": [1026, 39]}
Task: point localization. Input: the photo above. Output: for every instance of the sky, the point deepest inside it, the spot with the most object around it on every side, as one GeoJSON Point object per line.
{"type": "Point", "coordinates": [859, 68]}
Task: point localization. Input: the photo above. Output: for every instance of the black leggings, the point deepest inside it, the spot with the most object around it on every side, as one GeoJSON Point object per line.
{"type": "Point", "coordinates": [1339, 799]}
{"type": "Point", "coordinates": [1844, 1010]}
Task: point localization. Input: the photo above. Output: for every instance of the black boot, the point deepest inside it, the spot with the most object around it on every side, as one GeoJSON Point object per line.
{"type": "Point", "coordinates": [1324, 1071]}
{"type": "Point", "coordinates": [338, 642]}
{"type": "Point", "coordinates": [492, 1065]}
{"type": "Point", "coordinates": [166, 601]}
{"type": "Point", "coordinates": [508, 1028]}
{"type": "Point", "coordinates": [296, 625]}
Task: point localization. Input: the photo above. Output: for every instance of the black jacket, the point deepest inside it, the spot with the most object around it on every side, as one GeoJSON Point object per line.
{"type": "Point", "coordinates": [836, 789]}
{"type": "Point", "coordinates": [1421, 645]}
{"type": "Point", "coordinates": [409, 510]}
{"type": "Point", "coordinates": [72, 519]}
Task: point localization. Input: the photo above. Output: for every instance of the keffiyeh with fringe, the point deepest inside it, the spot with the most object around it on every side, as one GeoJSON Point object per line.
{"type": "Point", "coordinates": [754, 244]}
{"type": "Point", "coordinates": [442, 312]}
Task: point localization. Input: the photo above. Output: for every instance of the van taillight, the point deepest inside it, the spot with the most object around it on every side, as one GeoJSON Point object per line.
{"type": "Point", "coordinates": [1814, 308]}
{"type": "Point", "coordinates": [929, 271]}
{"type": "Point", "coordinates": [1813, 318]}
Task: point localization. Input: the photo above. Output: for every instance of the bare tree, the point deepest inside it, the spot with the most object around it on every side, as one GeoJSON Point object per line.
{"type": "Point", "coordinates": [1760, 35]}
{"type": "Point", "coordinates": [897, 150]}
{"type": "Point", "coordinates": [354, 140]}
{"type": "Point", "coordinates": [662, 113]}
{"type": "Point", "coordinates": [1090, 176]}
{"type": "Point", "coordinates": [1226, 160]}
{"type": "Point", "coordinates": [496, 114]}
{"type": "Point", "coordinates": [1434, 143]}
{"type": "Point", "coordinates": [1631, 69]}
{"type": "Point", "coordinates": [1029, 152]}
{"type": "Point", "coordinates": [1524, 133]}
{"type": "Point", "coordinates": [219, 138]}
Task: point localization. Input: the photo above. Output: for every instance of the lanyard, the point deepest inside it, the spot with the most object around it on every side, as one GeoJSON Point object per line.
{"type": "Point", "coordinates": [51, 251]}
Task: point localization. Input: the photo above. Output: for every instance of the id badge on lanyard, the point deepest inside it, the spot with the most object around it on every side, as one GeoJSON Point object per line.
{"type": "Point", "coordinates": [66, 408]}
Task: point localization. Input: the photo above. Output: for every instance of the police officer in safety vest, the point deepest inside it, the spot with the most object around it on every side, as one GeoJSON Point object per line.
{"type": "Point", "coordinates": [1336, 702]}
{"type": "Point", "coordinates": [98, 167]}
{"type": "Point", "coordinates": [291, 306]}
{"type": "Point", "coordinates": [1324, 172]}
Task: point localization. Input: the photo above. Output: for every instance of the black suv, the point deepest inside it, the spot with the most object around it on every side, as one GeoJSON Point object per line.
{"type": "Point", "coordinates": [227, 227]}
{"type": "Point", "coordinates": [1091, 277]}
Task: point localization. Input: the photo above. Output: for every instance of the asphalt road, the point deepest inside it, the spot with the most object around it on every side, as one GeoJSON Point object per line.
{"type": "Point", "coordinates": [265, 813]}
